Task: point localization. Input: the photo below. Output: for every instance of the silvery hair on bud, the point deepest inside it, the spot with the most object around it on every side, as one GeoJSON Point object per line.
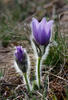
{"type": "Point", "coordinates": [22, 66]}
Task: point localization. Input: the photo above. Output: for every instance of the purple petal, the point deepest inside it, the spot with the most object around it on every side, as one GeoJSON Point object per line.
{"type": "Point", "coordinates": [42, 24]}
{"type": "Point", "coordinates": [48, 26]}
{"type": "Point", "coordinates": [35, 25]}
{"type": "Point", "coordinates": [50, 23]}
{"type": "Point", "coordinates": [19, 49]}
{"type": "Point", "coordinates": [42, 31]}
{"type": "Point", "coordinates": [43, 36]}
{"type": "Point", "coordinates": [19, 53]}
{"type": "Point", "coordinates": [43, 21]}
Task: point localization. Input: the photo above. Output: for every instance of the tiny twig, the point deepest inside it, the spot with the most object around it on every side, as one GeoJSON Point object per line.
{"type": "Point", "coordinates": [48, 81]}
{"type": "Point", "coordinates": [8, 84]}
{"type": "Point", "coordinates": [39, 93]}
{"type": "Point", "coordinates": [56, 76]}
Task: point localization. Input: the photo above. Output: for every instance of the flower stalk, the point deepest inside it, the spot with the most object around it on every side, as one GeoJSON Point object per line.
{"type": "Point", "coordinates": [26, 80]}
{"type": "Point", "coordinates": [22, 62]}
{"type": "Point", "coordinates": [38, 71]}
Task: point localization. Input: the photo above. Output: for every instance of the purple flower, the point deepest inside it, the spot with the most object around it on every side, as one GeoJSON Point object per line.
{"type": "Point", "coordinates": [19, 54]}
{"type": "Point", "coordinates": [21, 59]}
{"type": "Point", "coordinates": [42, 31]}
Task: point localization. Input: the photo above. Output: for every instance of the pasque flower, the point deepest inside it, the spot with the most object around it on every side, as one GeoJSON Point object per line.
{"type": "Point", "coordinates": [21, 59]}
{"type": "Point", "coordinates": [22, 62]}
{"type": "Point", "coordinates": [41, 38]}
{"type": "Point", "coordinates": [42, 31]}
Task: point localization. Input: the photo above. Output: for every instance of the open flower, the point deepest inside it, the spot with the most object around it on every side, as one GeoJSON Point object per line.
{"type": "Point", "coordinates": [42, 31]}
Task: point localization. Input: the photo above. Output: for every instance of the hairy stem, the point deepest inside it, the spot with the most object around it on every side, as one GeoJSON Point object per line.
{"type": "Point", "coordinates": [38, 71]}
{"type": "Point", "coordinates": [26, 80]}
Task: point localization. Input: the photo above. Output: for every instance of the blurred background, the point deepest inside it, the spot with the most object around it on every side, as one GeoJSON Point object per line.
{"type": "Point", "coordinates": [16, 14]}
{"type": "Point", "coordinates": [15, 20]}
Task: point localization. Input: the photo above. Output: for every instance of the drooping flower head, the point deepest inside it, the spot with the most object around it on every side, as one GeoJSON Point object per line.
{"type": "Point", "coordinates": [21, 58]}
{"type": "Point", "coordinates": [41, 31]}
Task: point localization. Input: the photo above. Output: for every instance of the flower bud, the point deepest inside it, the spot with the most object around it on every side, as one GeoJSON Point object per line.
{"type": "Point", "coordinates": [21, 59]}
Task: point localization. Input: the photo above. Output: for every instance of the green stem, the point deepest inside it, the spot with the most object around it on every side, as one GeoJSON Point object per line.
{"type": "Point", "coordinates": [38, 71]}
{"type": "Point", "coordinates": [26, 80]}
